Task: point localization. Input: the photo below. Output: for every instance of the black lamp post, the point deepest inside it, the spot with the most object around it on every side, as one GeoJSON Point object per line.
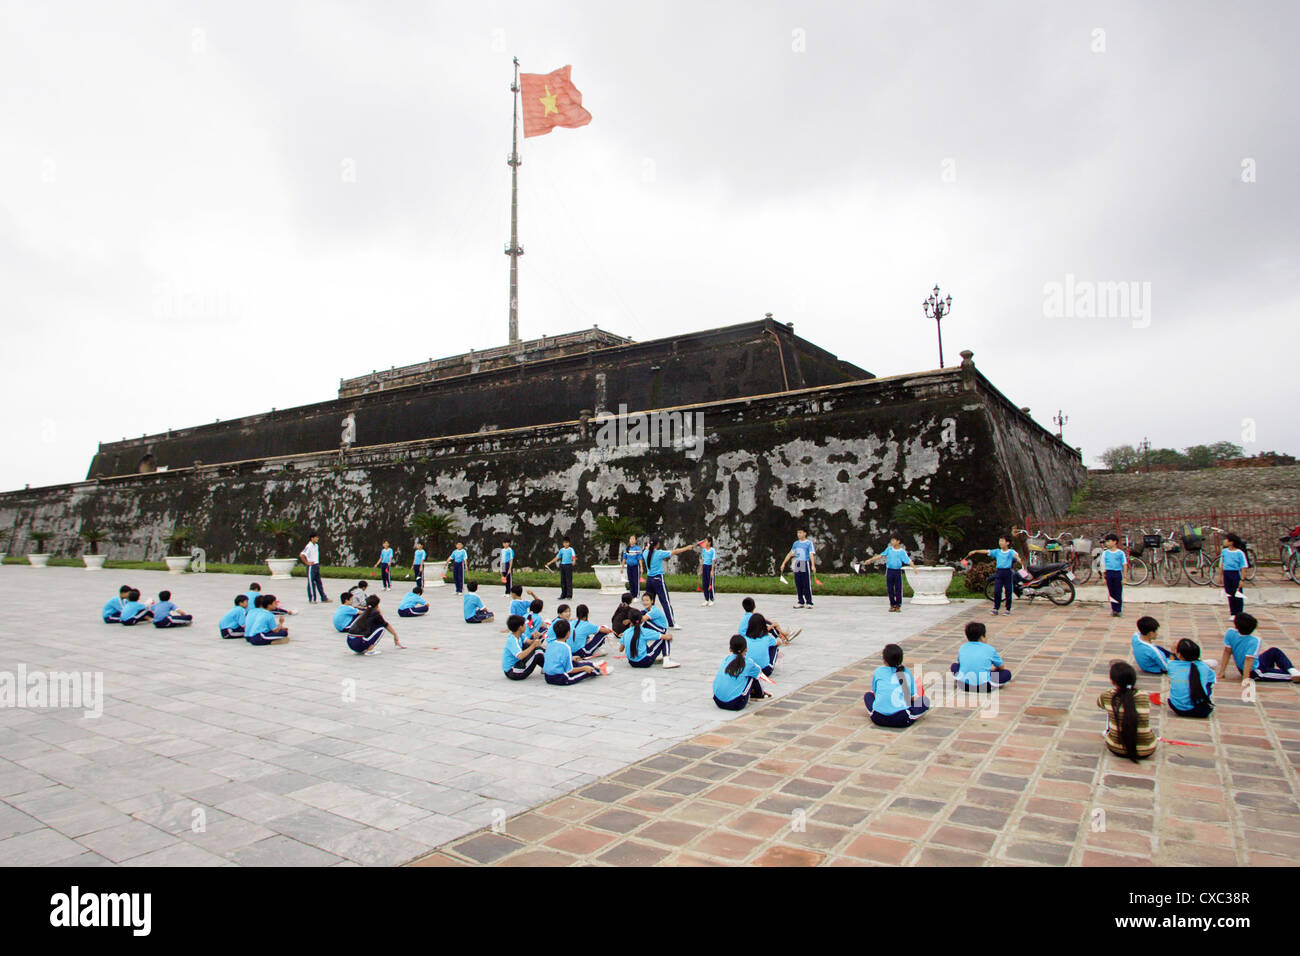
{"type": "Point", "coordinates": [936, 308]}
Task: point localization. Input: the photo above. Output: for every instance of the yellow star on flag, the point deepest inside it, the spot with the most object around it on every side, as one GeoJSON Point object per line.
{"type": "Point", "coordinates": [548, 101]}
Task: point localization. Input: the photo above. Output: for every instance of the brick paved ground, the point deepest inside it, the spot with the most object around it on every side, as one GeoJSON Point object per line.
{"type": "Point", "coordinates": [808, 780]}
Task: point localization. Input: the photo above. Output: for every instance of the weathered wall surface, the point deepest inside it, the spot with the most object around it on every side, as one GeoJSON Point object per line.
{"type": "Point", "coordinates": [752, 359]}
{"type": "Point", "coordinates": [835, 459]}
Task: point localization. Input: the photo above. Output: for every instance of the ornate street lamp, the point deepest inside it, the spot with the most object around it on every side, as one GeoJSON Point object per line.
{"type": "Point", "coordinates": [936, 308]}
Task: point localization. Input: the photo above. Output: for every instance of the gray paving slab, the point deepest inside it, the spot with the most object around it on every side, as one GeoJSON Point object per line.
{"type": "Point", "coordinates": [208, 751]}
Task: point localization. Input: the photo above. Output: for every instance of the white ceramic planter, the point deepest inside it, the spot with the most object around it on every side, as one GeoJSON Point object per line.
{"type": "Point", "coordinates": [3, 555]}
{"type": "Point", "coordinates": [177, 563]}
{"type": "Point", "coordinates": [280, 567]}
{"type": "Point", "coordinates": [929, 584]}
{"type": "Point", "coordinates": [38, 560]}
{"type": "Point", "coordinates": [94, 562]}
{"type": "Point", "coordinates": [612, 578]}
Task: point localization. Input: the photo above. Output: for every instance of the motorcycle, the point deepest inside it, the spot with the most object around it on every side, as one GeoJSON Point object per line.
{"type": "Point", "coordinates": [1052, 581]}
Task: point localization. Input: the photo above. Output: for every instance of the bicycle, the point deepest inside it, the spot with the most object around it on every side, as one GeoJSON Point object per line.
{"type": "Point", "coordinates": [1199, 568]}
{"type": "Point", "coordinates": [1162, 563]}
{"type": "Point", "coordinates": [1289, 552]}
{"type": "Point", "coordinates": [1078, 555]}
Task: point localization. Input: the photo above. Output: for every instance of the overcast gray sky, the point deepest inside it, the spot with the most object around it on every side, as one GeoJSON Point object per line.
{"type": "Point", "coordinates": [209, 209]}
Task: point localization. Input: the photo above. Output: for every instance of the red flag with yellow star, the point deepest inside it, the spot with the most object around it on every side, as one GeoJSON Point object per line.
{"type": "Point", "coordinates": [550, 100]}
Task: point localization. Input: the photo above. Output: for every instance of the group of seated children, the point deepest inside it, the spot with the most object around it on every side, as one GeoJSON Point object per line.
{"type": "Point", "coordinates": [261, 624]}
{"type": "Point", "coordinates": [893, 700]}
{"type": "Point", "coordinates": [753, 653]}
{"type": "Point", "coordinates": [128, 609]}
{"type": "Point", "coordinates": [367, 627]}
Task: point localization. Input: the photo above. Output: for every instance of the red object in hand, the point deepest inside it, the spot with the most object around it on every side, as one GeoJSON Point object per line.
{"type": "Point", "coordinates": [700, 544]}
{"type": "Point", "coordinates": [819, 581]}
{"type": "Point", "coordinates": [503, 579]}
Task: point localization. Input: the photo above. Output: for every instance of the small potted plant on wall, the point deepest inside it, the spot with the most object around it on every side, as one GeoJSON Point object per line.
{"type": "Point", "coordinates": [280, 529]}
{"type": "Point", "coordinates": [92, 536]}
{"type": "Point", "coordinates": [178, 552]}
{"type": "Point", "coordinates": [39, 558]}
{"type": "Point", "coordinates": [929, 580]}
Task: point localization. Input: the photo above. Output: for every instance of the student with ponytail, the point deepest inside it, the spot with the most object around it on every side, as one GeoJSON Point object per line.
{"type": "Point", "coordinates": [641, 649]}
{"type": "Point", "coordinates": [654, 557]}
{"type": "Point", "coordinates": [1128, 717]}
{"type": "Point", "coordinates": [737, 680]}
{"type": "Point", "coordinates": [892, 700]}
{"type": "Point", "coordinates": [763, 645]}
{"type": "Point", "coordinates": [1191, 681]}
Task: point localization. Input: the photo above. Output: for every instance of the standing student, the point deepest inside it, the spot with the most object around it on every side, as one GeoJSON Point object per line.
{"type": "Point", "coordinates": [167, 614]}
{"type": "Point", "coordinates": [641, 649]}
{"type": "Point", "coordinates": [458, 564]}
{"type": "Point", "coordinates": [1191, 681]}
{"type": "Point", "coordinates": [1128, 716]}
{"type": "Point", "coordinates": [346, 613]}
{"type": "Point", "coordinates": [560, 667]}
{"type": "Point", "coordinates": [310, 556]}
{"type": "Point", "coordinates": [1149, 657]}
{"type": "Point", "coordinates": [1234, 561]}
{"type": "Point", "coordinates": [261, 627]}
{"type": "Point", "coordinates": [507, 564]}
{"type": "Point", "coordinates": [1113, 562]}
{"type": "Point", "coordinates": [1242, 645]}
{"type": "Point", "coordinates": [232, 622]}
{"type": "Point", "coordinates": [565, 559]}
{"type": "Point", "coordinates": [413, 604]}
{"type": "Point", "coordinates": [707, 555]}
{"type": "Point", "coordinates": [803, 554]}
{"type": "Point", "coordinates": [1005, 558]}
{"type": "Point", "coordinates": [364, 633]}
{"type": "Point", "coordinates": [737, 680]}
{"type": "Point", "coordinates": [979, 666]}
{"type": "Point", "coordinates": [894, 556]}
{"type": "Point", "coordinates": [473, 610]}
{"type": "Point", "coordinates": [654, 583]}
{"type": "Point", "coordinates": [521, 655]}
{"type": "Point", "coordinates": [417, 564]}
{"type": "Point", "coordinates": [633, 558]}
{"type": "Point", "coordinates": [892, 700]}
{"type": "Point", "coordinates": [385, 566]}
{"type": "Point", "coordinates": [133, 611]}
{"type": "Point", "coordinates": [586, 638]}
{"type": "Point", "coordinates": [112, 613]}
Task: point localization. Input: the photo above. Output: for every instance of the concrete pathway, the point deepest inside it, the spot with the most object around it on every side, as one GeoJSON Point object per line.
{"type": "Point", "coordinates": [216, 752]}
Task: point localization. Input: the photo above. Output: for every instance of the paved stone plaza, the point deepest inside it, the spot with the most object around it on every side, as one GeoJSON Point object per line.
{"type": "Point", "coordinates": [213, 752]}
{"type": "Point", "coordinates": [808, 780]}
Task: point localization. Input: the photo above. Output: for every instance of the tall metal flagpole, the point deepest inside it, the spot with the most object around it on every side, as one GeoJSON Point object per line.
{"type": "Point", "coordinates": [513, 249]}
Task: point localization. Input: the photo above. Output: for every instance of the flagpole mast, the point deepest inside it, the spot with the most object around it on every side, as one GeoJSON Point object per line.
{"type": "Point", "coordinates": [513, 250]}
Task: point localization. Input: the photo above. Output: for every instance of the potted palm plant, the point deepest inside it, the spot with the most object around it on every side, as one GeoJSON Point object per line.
{"type": "Point", "coordinates": [612, 531]}
{"type": "Point", "coordinates": [434, 529]}
{"type": "Point", "coordinates": [178, 552]}
{"type": "Point", "coordinates": [39, 558]}
{"type": "Point", "coordinates": [92, 536]}
{"type": "Point", "coordinates": [932, 524]}
{"type": "Point", "coordinates": [280, 529]}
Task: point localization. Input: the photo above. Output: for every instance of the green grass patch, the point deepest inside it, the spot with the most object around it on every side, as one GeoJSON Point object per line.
{"type": "Point", "coordinates": [837, 585]}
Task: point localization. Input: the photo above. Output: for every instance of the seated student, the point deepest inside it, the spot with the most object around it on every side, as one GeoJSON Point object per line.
{"type": "Point", "coordinates": [167, 614]}
{"type": "Point", "coordinates": [133, 612]}
{"type": "Point", "coordinates": [345, 613]}
{"type": "Point", "coordinates": [253, 593]}
{"type": "Point", "coordinates": [586, 639]}
{"type": "Point", "coordinates": [112, 612]}
{"type": "Point", "coordinates": [518, 605]}
{"type": "Point", "coordinates": [618, 620]}
{"type": "Point", "coordinates": [642, 650]}
{"type": "Point", "coordinates": [1128, 716]}
{"type": "Point", "coordinates": [1244, 646]}
{"type": "Point", "coordinates": [472, 605]}
{"type": "Point", "coordinates": [413, 603]}
{"type": "Point", "coordinates": [772, 627]}
{"type": "Point", "coordinates": [737, 680]}
{"type": "Point", "coordinates": [892, 700]}
{"type": "Point", "coordinates": [232, 622]}
{"type": "Point", "coordinates": [559, 666]}
{"type": "Point", "coordinates": [763, 646]}
{"type": "Point", "coordinates": [364, 632]}
{"type": "Point", "coordinates": [1149, 656]}
{"type": "Point", "coordinates": [261, 626]}
{"type": "Point", "coordinates": [359, 595]}
{"type": "Point", "coordinates": [520, 656]}
{"type": "Point", "coordinates": [1191, 681]}
{"type": "Point", "coordinates": [652, 616]}
{"type": "Point", "coordinates": [534, 624]}
{"type": "Point", "coordinates": [979, 666]}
